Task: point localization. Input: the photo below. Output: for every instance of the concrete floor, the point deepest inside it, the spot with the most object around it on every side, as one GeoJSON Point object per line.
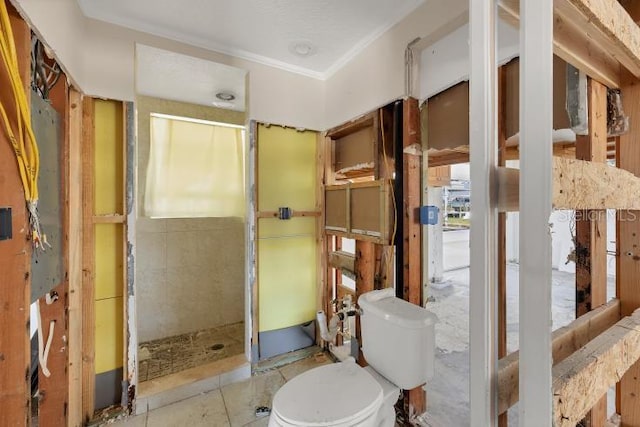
{"type": "Point", "coordinates": [448, 392]}
{"type": "Point", "coordinates": [233, 405]}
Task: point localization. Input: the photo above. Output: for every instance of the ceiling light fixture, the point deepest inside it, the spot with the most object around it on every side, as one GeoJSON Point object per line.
{"type": "Point", "coordinates": [225, 96]}
{"type": "Point", "coordinates": [302, 48]}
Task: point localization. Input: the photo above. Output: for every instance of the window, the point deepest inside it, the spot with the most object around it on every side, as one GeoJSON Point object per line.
{"type": "Point", "coordinates": [196, 169]}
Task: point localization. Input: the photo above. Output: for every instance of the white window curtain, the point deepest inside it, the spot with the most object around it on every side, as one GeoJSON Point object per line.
{"type": "Point", "coordinates": [196, 169]}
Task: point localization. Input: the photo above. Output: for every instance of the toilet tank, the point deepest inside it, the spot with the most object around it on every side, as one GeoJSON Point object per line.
{"type": "Point", "coordinates": [398, 338]}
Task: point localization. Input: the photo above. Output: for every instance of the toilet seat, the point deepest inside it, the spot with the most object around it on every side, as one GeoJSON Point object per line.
{"type": "Point", "coordinates": [339, 394]}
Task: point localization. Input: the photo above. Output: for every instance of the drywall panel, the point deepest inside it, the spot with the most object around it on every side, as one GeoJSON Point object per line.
{"type": "Point", "coordinates": [109, 261]}
{"type": "Point", "coordinates": [336, 209]}
{"type": "Point", "coordinates": [287, 277]}
{"type": "Point", "coordinates": [286, 168]}
{"type": "Point", "coordinates": [108, 344]}
{"type": "Point", "coordinates": [446, 62]}
{"type": "Point", "coordinates": [287, 259]}
{"type": "Point", "coordinates": [109, 158]}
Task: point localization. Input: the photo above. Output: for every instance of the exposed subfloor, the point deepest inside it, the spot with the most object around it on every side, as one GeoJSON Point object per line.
{"type": "Point", "coordinates": [174, 354]}
{"type": "Point", "coordinates": [234, 405]}
{"type": "Point", "coordinates": [448, 391]}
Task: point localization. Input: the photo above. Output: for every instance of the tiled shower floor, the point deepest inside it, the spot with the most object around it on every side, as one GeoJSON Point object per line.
{"type": "Point", "coordinates": [174, 354]}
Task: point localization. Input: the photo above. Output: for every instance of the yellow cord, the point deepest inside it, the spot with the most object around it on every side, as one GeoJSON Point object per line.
{"type": "Point", "coordinates": [24, 146]}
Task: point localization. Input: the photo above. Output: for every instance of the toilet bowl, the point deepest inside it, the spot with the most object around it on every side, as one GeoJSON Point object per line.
{"type": "Point", "coordinates": [398, 343]}
{"type": "Point", "coordinates": [336, 395]}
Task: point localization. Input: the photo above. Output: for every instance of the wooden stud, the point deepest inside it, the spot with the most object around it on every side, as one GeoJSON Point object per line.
{"type": "Point", "coordinates": [415, 400]}
{"type": "Point", "coordinates": [364, 269]}
{"type": "Point", "coordinates": [566, 341]}
{"type": "Point", "coordinates": [88, 260]}
{"type": "Point", "coordinates": [503, 420]}
{"type": "Point", "coordinates": [75, 259]}
{"type": "Point", "coordinates": [582, 378]}
{"type": "Point", "coordinates": [591, 228]}
{"type": "Point", "coordinates": [628, 244]}
{"type": "Point", "coordinates": [53, 390]}
{"type": "Point", "coordinates": [15, 257]}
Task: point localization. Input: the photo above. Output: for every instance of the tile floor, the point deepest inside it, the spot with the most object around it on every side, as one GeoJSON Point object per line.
{"type": "Point", "coordinates": [233, 405]}
{"type": "Point", "coordinates": [174, 354]}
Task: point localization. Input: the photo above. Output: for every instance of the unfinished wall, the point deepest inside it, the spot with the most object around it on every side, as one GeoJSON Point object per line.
{"type": "Point", "coordinates": [189, 271]}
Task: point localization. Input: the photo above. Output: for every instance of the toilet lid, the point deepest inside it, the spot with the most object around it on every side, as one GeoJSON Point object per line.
{"type": "Point", "coordinates": [328, 395]}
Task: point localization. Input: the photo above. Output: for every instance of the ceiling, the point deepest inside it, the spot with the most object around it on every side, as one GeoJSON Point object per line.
{"type": "Point", "coordinates": [267, 31]}
{"type": "Point", "coordinates": [169, 75]}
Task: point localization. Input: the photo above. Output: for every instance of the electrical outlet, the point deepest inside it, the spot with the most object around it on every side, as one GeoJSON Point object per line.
{"type": "Point", "coordinates": [5, 223]}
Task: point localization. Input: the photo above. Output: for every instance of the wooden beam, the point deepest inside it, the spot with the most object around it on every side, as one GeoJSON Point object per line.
{"type": "Point", "coordinates": [578, 40]}
{"type": "Point", "coordinates": [53, 390]}
{"type": "Point", "coordinates": [365, 272]}
{"type": "Point", "coordinates": [415, 400]}
{"type": "Point", "coordinates": [15, 256]}
{"type": "Point", "coordinates": [577, 184]}
{"type": "Point", "coordinates": [342, 260]}
{"type": "Point", "coordinates": [75, 259]}
{"type": "Point", "coordinates": [88, 261]}
{"type": "Point", "coordinates": [566, 341]}
{"type": "Point", "coordinates": [582, 378]}
{"type": "Point", "coordinates": [591, 228]}
{"type": "Point", "coordinates": [628, 242]}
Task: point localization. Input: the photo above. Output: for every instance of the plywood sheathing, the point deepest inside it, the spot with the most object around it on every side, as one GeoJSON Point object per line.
{"type": "Point", "coordinates": [578, 184]}
{"type": "Point", "coordinates": [566, 341]}
{"type": "Point", "coordinates": [582, 378]}
{"type": "Point", "coordinates": [15, 256]}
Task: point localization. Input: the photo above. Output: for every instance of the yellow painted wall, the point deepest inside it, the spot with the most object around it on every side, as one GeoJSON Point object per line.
{"type": "Point", "coordinates": [287, 261]}
{"type": "Point", "coordinates": [109, 259]}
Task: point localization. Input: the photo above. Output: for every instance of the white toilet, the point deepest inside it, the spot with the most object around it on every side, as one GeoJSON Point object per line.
{"type": "Point", "coordinates": [398, 343]}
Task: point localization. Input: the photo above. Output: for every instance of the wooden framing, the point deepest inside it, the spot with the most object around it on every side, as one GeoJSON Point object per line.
{"type": "Point", "coordinates": [364, 266]}
{"type": "Point", "coordinates": [15, 257]}
{"type": "Point", "coordinates": [75, 233]}
{"type": "Point", "coordinates": [415, 400]}
{"type": "Point", "coordinates": [54, 390]}
{"type": "Point", "coordinates": [628, 242]}
{"type": "Point", "coordinates": [591, 228]}
{"type": "Point", "coordinates": [348, 211]}
{"type": "Point", "coordinates": [596, 36]}
{"type": "Point", "coordinates": [88, 261]}
{"type": "Point", "coordinates": [565, 341]}
{"type": "Point", "coordinates": [582, 378]}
